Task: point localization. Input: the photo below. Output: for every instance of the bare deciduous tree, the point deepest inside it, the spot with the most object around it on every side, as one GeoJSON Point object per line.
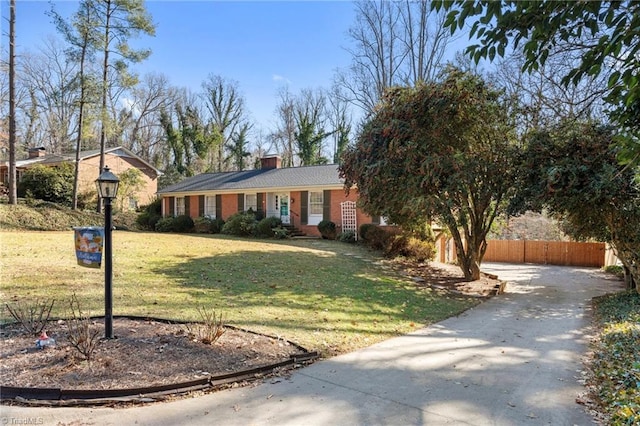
{"type": "Point", "coordinates": [283, 138]}
{"type": "Point", "coordinates": [239, 147]}
{"type": "Point", "coordinates": [341, 120]}
{"type": "Point", "coordinates": [226, 108]}
{"type": "Point", "coordinates": [394, 43]}
{"type": "Point", "coordinates": [540, 99]}
{"type": "Point", "coordinates": [310, 118]}
{"type": "Point", "coordinates": [189, 139]}
{"type": "Point", "coordinates": [142, 133]}
{"type": "Point", "coordinates": [424, 41]}
{"type": "Point", "coordinates": [51, 81]}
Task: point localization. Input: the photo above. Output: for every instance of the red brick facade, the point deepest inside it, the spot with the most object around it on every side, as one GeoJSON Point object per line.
{"type": "Point", "coordinates": [229, 206]}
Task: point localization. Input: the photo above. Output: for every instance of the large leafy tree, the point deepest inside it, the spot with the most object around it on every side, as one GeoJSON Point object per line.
{"type": "Point", "coordinates": [131, 181]}
{"type": "Point", "coordinates": [48, 183]}
{"type": "Point", "coordinates": [606, 33]}
{"type": "Point", "coordinates": [440, 151]}
{"type": "Point", "coordinates": [572, 171]}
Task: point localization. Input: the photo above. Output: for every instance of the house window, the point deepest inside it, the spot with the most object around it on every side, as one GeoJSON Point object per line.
{"type": "Point", "coordinates": [315, 203]}
{"type": "Point", "coordinates": [180, 211]}
{"type": "Point", "coordinates": [316, 200]}
{"type": "Point", "coordinates": [133, 203]}
{"type": "Point", "coordinates": [210, 206]}
{"type": "Point", "coordinates": [251, 202]}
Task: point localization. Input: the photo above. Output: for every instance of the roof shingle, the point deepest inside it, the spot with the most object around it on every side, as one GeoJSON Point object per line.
{"type": "Point", "coordinates": [308, 176]}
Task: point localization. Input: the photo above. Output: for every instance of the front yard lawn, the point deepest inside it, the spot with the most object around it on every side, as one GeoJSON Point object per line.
{"type": "Point", "coordinates": [327, 296]}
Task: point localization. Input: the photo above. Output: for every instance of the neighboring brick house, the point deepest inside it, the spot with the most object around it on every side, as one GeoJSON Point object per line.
{"type": "Point", "coordinates": [118, 159]}
{"type": "Point", "coordinates": [300, 196]}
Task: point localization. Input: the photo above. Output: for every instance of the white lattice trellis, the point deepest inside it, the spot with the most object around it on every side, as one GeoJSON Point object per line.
{"type": "Point", "coordinates": [349, 218]}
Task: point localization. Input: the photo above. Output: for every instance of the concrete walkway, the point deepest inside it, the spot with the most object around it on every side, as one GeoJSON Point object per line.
{"type": "Point", "coordinates": [513, 360]}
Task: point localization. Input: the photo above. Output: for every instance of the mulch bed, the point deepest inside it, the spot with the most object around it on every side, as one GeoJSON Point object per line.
{"type": "Point", "coordinates": [144, 353]}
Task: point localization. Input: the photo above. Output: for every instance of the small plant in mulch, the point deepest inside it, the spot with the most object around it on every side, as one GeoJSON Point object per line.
{"type": "Point", "coordinates": [32, 317]}
{"type": "Point", "coordinates": [83, 336]}
{"type": "Point", "coordinates": [209, 329]}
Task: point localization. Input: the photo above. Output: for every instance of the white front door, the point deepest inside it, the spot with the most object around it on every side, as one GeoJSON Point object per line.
{"type": "Point", "coordinates": [283, 208]}
{"type": "Point", "coordinates": [278, 206]}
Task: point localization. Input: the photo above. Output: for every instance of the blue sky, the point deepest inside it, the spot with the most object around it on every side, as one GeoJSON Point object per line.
{"type": "Point", "coordinates": [261, 44]}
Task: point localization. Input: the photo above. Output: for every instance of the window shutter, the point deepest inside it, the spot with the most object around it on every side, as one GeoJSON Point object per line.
{"type": "Point", "coordinates": [218, 206]}
{"type": "Point", "coordinates": [187, 205]}
{"type": "Point", "coordinates": [326, 205]}
{"type": "Point", "coordinates": [201, 206]}
{"type": "Point", "coordinates": [259, 201]}
{"type": "Point", "coordinates": [172, 206]}
{"type": "Point", "coordinates": [304, 207]}
{"type": "Point", "coordinates": [375, 220]}
{"type": "Point", "coordinates": [240, 202]}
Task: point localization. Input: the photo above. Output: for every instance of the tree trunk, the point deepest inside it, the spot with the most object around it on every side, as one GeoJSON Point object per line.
{"type": "Point", "coordinates": [80, 125]}
{"type": "Point", "coordinates": [470, 266]}
{"type": "Point", "coordinates": [13, 184]}
{"type": "Point", "coordinates": [467, 258]}
{"type": "Point", "coordinates": [630, 281]}
{"type": "Point", "coordinates": [103, 110]}
{"type": "Point", "coordinates": [630, 264]}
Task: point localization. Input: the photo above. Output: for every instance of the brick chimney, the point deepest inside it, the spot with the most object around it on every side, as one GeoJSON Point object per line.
{"type": "Point", "coordinates": [271, 162]}
{"type": "Point", "coordinates": [37, 152]}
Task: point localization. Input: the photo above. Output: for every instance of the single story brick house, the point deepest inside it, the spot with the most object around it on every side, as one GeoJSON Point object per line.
{"type": "Point", "coordinates": [300, 196]}
{"type": "Point", "coordinates": [118, 159]}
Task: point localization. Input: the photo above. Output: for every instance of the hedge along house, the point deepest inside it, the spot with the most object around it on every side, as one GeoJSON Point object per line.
{"type": "Point", "coordinates": [119, 159]}
{"type": "Point", "coordinates": [300, 196]}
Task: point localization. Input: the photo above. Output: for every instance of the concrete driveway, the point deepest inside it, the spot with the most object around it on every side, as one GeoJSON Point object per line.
{"type": "Point", "coordinates": [513, 360]}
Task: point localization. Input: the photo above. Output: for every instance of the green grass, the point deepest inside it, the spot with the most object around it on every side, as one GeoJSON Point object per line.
{"type": "Point", "coordinates": [616, 362]}
{"type": "Point", "coordinates": [327, 296]}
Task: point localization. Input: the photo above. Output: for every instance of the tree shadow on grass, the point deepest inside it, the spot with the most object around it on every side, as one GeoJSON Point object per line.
{"type": "Point", "coordinates": [310, 292]}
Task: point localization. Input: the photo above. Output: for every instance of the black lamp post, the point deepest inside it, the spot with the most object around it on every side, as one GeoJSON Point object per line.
{"type": "Point", "coordinates": [107, 184]}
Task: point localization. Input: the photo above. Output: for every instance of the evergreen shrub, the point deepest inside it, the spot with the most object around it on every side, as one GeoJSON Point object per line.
{"type": "Point", "coordinates": [327, 230]}
{"type": "Point", "coordinates": [265, 228]}
{"type": "Point", "coordinates": [347, 237]}
{"type": "Point", "coordinates": [240, 224]}
{"type": "Point", "coordinates": [183, 223]}
{"type": "Point", "coordinates": [165, 224]}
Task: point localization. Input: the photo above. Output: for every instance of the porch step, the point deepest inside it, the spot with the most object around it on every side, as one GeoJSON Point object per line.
{"type": "Point", "coordinates": [293, 231]}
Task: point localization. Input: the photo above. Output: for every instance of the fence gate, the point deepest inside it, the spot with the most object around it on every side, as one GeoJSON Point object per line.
{"type": "Point", "coordinates": [349, 219]}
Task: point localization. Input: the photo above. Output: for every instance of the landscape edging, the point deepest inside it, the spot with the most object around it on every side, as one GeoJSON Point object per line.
{"type": "Point", "coordinates": [89, 397]}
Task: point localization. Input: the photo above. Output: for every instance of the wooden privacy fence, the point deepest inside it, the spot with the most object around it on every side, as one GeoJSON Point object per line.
{"type": "Point", "coordinates": [568, 253]}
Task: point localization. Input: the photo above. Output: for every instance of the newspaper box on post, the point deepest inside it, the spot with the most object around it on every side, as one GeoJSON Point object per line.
{"type": "Point", "coordinates": [89, 241]}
